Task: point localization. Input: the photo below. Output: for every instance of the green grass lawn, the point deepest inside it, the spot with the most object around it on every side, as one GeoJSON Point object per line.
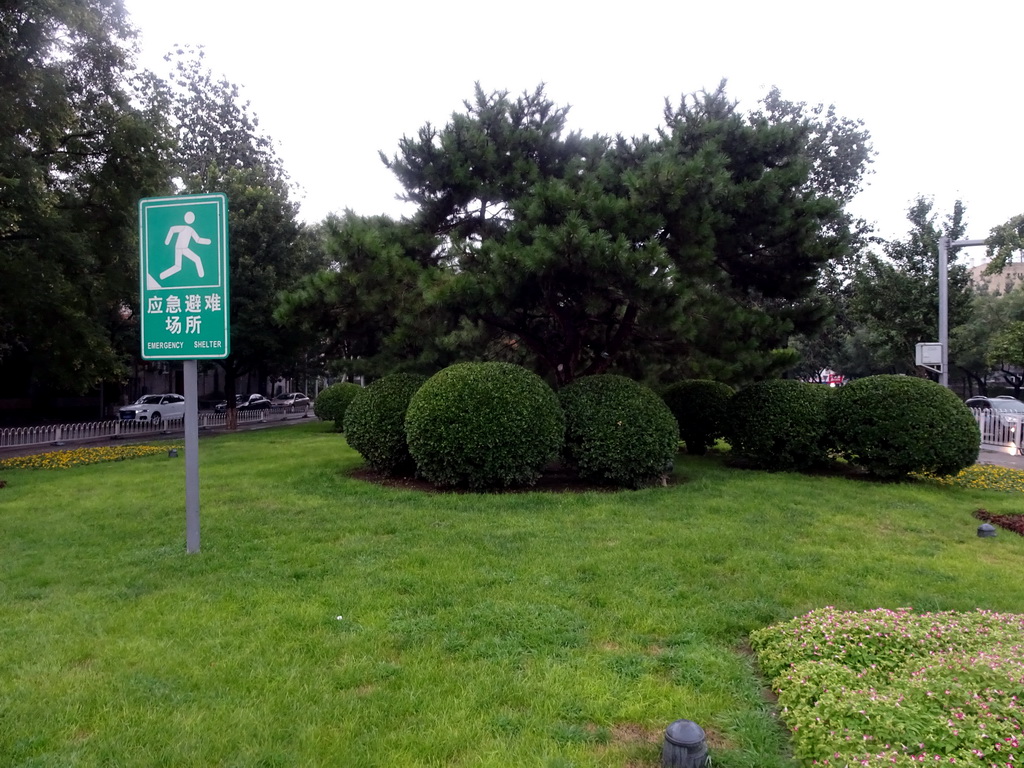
{"type": "Point", "coordinates": [330, 622]}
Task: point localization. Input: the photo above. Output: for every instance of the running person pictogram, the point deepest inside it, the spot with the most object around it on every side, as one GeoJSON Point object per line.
{"type": "Point", "coordinates": [185, 235]}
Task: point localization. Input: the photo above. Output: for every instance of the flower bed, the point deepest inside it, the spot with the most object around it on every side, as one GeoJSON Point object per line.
{"type": "Point", "coordinates": [895, 688]}
{"type": "Point", "coordinates": [1013, 523]}
{"type": "Point", "coordinates": [81, 456]}
{"type": "Point", "coordinates": [989, 477]}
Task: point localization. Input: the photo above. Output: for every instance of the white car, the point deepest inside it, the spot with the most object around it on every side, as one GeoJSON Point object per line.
{"type": "Point", "coordinates": [154, 409]}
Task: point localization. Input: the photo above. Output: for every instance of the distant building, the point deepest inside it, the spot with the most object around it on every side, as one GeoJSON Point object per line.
{"type": "Point", "coordinates": [1012, 275]}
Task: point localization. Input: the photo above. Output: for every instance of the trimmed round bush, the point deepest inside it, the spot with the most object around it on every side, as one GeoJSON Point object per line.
{"type": "Point", "coordinates": [618, 431]}
{"type": "Point", "coordinates": [483, 425]}
{"type": "Point", "coordinates": [375, 422]}
{"type": "Point", "coordinates": [780, 424]}
{"type": "Point", "coordinates": [331, 403]}
{"type": "Point", "coordinates": [701, 407]}
{"type": "Point", "coordinates": [895, 425]}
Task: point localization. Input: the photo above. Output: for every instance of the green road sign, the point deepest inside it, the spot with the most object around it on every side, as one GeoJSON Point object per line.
{"type": "Point", "coordinates": [183, 277]}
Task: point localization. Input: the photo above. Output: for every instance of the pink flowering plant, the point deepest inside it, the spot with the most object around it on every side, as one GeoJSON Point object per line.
{"type": "Point", "coordinates": [895, 688]}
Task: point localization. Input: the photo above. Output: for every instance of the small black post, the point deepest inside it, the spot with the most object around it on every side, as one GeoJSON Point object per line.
{"type": "Point", "coordinates": [685, 746]}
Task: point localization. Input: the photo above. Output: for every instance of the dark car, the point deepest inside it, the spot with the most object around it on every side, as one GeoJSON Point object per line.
{"type": "Point", "coordinates": [254, 403]}
{"type": "Point", "coordinates": [223, 405]}
{"type": "Point", "coordinates": [245, 403]}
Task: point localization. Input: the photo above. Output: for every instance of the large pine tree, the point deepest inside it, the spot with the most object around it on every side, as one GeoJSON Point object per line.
{"type": "Point", "coordinates": [695, 252]}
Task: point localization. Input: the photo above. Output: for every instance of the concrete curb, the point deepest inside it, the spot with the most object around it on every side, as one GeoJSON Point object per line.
{"type": "Point", "coordinates": [1001, 459]}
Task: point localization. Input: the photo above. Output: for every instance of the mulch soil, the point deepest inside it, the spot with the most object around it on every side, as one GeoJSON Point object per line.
{"type": "Point", "coordinates": [555, 479]}
{"type": "Point", "coordinates": [1013, 523]}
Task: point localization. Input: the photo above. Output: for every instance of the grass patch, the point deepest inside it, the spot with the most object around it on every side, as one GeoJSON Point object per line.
{"type": "Point", "coordinates": [329, 621]}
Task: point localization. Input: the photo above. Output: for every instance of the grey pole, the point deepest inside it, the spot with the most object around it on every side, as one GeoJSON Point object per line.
{"type": "Point", "coordinates": [191, 456]}
{"type": "Point", "coordinates": [944, 246]}
{"type": "Point", "coordinates": [944, 311]}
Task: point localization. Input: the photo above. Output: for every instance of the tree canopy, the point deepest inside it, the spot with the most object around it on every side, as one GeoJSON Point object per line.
{"type": "Point", "coordinates": [219, 148]}
{"type": "Point", "coordinates": [80, 143]}
{"type": "Point", "coordinates": [84, 136]}
{"type": "Point", "coordinates": [695, 251]}
{"type": "Point", "coordinates": [895, 294]}
{"type": "Point", "coordinates": [1003, 242]}
{"type": "Point", "coordinates": [367, 308]}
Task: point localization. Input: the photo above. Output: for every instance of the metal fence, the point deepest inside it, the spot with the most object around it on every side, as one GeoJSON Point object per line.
{"type": "Point", "coordinates": [59, 434]}
{"type": "Point", "coordinates": [1000, 430]}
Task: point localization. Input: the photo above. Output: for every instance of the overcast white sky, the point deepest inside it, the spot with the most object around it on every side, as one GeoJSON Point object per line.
{"type": "Point", "coordinates": [937, 84]}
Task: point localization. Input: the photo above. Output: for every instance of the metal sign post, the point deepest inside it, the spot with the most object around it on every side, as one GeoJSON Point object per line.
{"type": "Point", "coordinates": [184, 305]}
{"type": "Point", "coordinates": [191, 456]}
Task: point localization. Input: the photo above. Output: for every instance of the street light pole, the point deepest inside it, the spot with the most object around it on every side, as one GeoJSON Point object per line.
{"type": "Point", "coordinates": [944, 246]}
{"type": "Point", "coordinates": [944, 310]}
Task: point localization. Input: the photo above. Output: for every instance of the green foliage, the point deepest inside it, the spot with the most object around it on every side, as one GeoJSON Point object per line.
{"type": "Point", "coordinates": [484, 425]}
{"type": "Point", "coordinates": [81, 140]}
{"type": "Point", "coordinates": [780, 424]}
{"type": "Point", "coordinates": [618, 431]}
{"type": "Point", "coordinates": [701, 407]}
{"type": "Point", "coordinates": [1006, 347]}
{"type": "Point", "coordinates": [331, 403]}
{"type": "Point", "coordinates": [691, 254]}
{"type": "Point", "coordinates": [562, 613]}
{"type": "Point", "coordinates": [894, 296]}
{"type": "Point", "coordinates": [896, 425]}
{"type": "Point", "coordinates": [992, 339]}
{"type": "Point", "coordinates": [1003, 242]}
{"type": "Point", "coordinates": [896, 688]}
{"type": "Point", "coordinates": [220, 148]}
{"type": "Point", "coordinates": [214, 125]}
{"type": "Point", "coordinates": [367, 309]}
{"type": "Point", "coordinates": [375, 422]}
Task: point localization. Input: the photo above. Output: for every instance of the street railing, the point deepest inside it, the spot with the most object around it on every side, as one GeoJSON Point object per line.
{"type": "Point", "coordinates": [998, 433]}
{"type": "Point", "coordinates": [115, 429]}
{"type": "Point", "coordinates": [1000, 430]}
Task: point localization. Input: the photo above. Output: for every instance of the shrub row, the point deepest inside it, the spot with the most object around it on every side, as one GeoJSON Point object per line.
{"type": "Point", "coordinates": [375, 423]}
{"type": "Point", "coordinates": [483, 425]}
{"type": "Point", "coordinates": [497, 425]}
{"type": "Point", "coordinates": [332, 402]}
{"type": "Point", "coordinates": [891, 426]}
{"type": "Point", "coordinates": [780, 424]}
{"type": "Point", "coordinates": [895, 425]}
{"type": "Point", "coordinates": [618, 431]}
{"type": "Point", "coordinates": [701, 408]}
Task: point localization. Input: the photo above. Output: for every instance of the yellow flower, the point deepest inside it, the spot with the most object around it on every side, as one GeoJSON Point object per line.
{"type": "Point", "coordinates": [991, 477]}
{"type": "Point", "coordinates": [81, 456]}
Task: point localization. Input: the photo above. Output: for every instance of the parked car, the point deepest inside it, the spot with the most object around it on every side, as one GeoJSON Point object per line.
{"type": "Point", "coordinates": [291, 400]}
{"type": "Point", "coordinates": [244, 403]}
{"type": "Point", "coordinates": [154, 409]}
{"type": "Point", "coordinates": [254, 403]}
{"type": "Point", "coordinates": [223, 405]}
{"type": "Point", "coordinates": [1009, 409]}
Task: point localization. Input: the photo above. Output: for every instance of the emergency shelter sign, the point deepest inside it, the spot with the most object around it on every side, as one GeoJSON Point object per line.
{"type": "Point", "coordinates": [183, 277]}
